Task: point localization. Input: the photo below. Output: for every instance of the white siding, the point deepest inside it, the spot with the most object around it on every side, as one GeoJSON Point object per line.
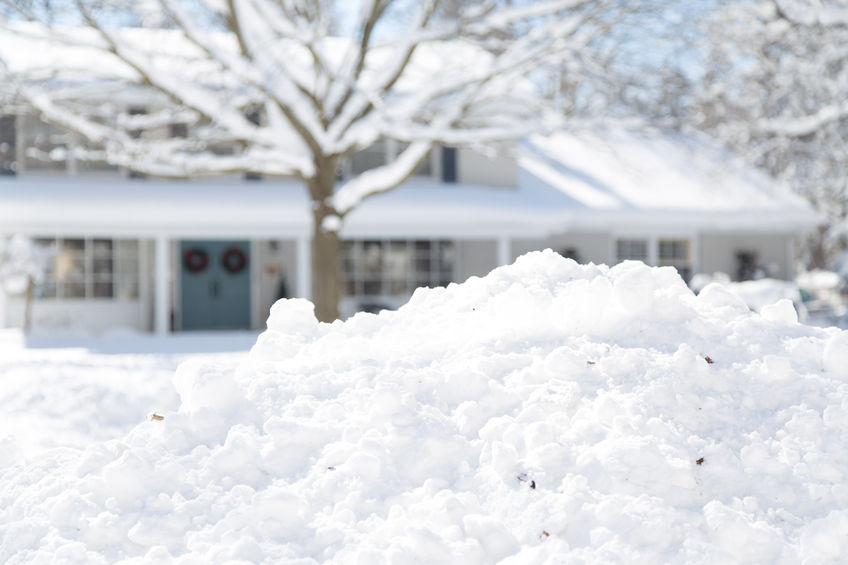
{"type": "Point", "coordinates": [718, 253]}
{"type": "Point", "coordinates": [474, 168]}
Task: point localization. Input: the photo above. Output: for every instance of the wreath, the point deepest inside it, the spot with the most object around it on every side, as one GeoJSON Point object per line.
{"type": "Point", "coordinates": [195, 259]}
{"type": "Point", "coordinates": [233, 259]}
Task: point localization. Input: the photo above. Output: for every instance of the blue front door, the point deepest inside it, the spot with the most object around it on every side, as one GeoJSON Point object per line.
{"type": "Point", "coordinates": [215, 285]}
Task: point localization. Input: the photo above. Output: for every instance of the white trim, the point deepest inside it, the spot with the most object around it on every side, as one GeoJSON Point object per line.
{"type": "Point", "coordinates": [303, 260]}
{"type": "Point", "coordinates": [255, 283]}
{"type": "Point", "coordinates": [791, 269]}
{"type": "Point", "coordinates": [144, 294]}
{"type": "Point", "coordinates": [161, 296]}
{"type": "Point", "coordinates": [695, 253]}
{"type": "Point", "coordinates": [504, 256]}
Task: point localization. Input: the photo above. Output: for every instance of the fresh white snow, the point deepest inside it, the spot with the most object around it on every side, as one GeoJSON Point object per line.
{"type": "Point", "coordinates": [549, 412]}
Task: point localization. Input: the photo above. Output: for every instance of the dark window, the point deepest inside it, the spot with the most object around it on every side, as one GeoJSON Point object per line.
{"type": "Point", "coordinates": [179, 130]}
{"type": "Point", "coordinates": [8, 163]}
{"type": "Point", "coordinates": [570, 253]}
{"type": "Point", "coordinates": [448, 164]}
{"type": "Point", "coordinates": [746, 265]}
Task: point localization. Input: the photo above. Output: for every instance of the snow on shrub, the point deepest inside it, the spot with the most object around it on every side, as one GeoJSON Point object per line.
{"type": "Point", "coordinates": [21, 260]}
{"type": "Point", "coordinates": [548, 412]}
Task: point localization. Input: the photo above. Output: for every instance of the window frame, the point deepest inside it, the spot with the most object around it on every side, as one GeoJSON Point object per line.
{"type": "Point", "coordinates": [370, 268]}
{"type": "Point", "coordinates": [80, 256]}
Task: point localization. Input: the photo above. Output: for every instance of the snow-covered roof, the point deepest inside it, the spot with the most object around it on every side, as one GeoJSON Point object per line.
{"type": "Point", "coordinates": [640, 177]}
{"type": "Point", "coordinates": [215, 208]}
{"type": "Point", "coordinates": [611, 181]}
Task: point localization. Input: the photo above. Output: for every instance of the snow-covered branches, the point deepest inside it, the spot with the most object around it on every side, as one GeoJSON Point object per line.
{"type": "Point", "coordinates": [774, 89]}
{"type": "Point", "coordinates": [293, 87]}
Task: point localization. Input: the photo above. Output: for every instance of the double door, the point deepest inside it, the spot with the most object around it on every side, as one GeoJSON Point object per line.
{"type": "Point", "coordinates": [215, 285]}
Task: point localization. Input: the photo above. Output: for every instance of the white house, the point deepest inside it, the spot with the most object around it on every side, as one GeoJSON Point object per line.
{"type": "Point", "coordinates": [155, 255]}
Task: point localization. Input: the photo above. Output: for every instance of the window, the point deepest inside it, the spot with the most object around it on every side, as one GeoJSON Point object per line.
{"type": "Point", "coordinates": [633, 249]}
{"type": "Point", "coordinates": [675, 253]}
{"type": "Point", "coordinates": [424, 168]}
{"type": "Point", "coordinates": [369, 158]}
{"type": "Point", "coordinates": [570, 253]}
{"type": "Point", "coordinates": [395, 267]}
{"type": "Point", "coordinates": [178, 130]}
{"type": "Point", "coordinates": [8, 160]}
{"type": "Point", "coordinates": [746, 265]}
{"type": "Point", "coordinates": [95, 268]}
{"type": "Point", "coordinates": [46, 146]}
{"type": "Point", "coordinates": [449, 164]}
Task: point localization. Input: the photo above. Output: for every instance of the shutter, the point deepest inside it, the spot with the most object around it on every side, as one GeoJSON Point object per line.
{"type": "Point", "coordinates": [449, 164]}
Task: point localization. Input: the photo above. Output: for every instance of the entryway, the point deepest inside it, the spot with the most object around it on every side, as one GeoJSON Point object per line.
{"type": "Point", "coordinates": [215, 285]}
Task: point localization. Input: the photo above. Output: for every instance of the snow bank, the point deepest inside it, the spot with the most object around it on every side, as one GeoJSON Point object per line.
{"type": "Point", "coordinates": [549, 412]}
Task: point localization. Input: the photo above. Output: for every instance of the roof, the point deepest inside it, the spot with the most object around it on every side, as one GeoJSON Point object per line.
{"type": "Point", "coordinates": [623, 176]}
{"type": "Point", "coordinates": [215, 208]}
{"type": "Point", "coordinates": [615, 180]}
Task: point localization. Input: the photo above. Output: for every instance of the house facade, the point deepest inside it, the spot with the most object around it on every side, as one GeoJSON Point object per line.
{"type": "Point", "coordinates": [216, 253]}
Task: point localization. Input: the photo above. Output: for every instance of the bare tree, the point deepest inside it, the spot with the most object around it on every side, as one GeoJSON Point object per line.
{"type": "Point", "coordinates": [771, 84]}
{"type": "Point", "coordinates": [296, 86]}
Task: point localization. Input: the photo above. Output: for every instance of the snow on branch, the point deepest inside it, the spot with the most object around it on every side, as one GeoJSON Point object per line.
{"type": "Point", "coordinates": [380, 179]}
{"type": "Point", "coordinates": [826, 14]}
{"type": "Point", "coordinates": [805, 125]}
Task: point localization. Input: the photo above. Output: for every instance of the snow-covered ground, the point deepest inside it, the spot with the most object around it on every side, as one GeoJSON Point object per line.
{"type": "Point", "coordinates": [71, 392]}
{"type": "Point", "coordinates": [546, 413]}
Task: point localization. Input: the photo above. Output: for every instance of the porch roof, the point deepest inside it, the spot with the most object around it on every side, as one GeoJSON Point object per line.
{"type": "Point", "coordinates": [274, 209]}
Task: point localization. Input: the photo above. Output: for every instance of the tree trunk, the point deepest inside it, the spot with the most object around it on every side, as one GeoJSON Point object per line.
{"type": "Point", "coordinates": [28, 305]}
{"type": "Point", "coordinates": [326, 263]}
{"type": "Point", "coordinates": [325, 271]}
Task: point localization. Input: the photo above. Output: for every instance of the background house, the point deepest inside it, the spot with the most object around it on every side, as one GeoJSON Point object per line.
{"type": "Point", "coordinates": [215, 253]}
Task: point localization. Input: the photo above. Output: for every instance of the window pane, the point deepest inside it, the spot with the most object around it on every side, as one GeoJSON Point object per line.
{"type": "Point", "coordinates": [369, 158]}
{"type": "Point", "coordinates": [397, 261]}
{"type": "Point", "coordinates": [349, 288]}
{"type": "Point", "coordinates": [675, 249]}
{"type": "Point", "coordinates": [372, 258]}
{"type": "Point", "coordinates": [45, 289]}
{"type": "Point", "coordinates": [635, 249]}
{"type": "Point", "coordinates": [446, 256]}
{"type": "Point", "coordinates": [102, 267]}
{"type": "Point", "coordinates": [102, 247]}
{"type": "Point", "coordinates": [102, 290]}
{"type": "Point", "coordinates": [372, 287]}
{"type": "Point", "coordinates": [46, 146]}
{"type": "Point", "coordinates": [68, 266]}
{"type": "Point", "coordinates": [73, 245]}
{"type": "Point", "coordinates": [398, 286]}
{"type": "Point", "coordinates": [73, 290]}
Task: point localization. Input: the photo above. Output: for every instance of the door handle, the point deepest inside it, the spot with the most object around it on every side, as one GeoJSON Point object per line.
{"type": "Point", "coordinates": [213, 289]}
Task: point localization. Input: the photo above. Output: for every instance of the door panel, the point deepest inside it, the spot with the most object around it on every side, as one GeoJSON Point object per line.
{"type": "Point", "coordinates": [213, 295]}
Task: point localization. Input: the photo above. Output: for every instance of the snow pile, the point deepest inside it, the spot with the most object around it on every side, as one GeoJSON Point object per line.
{"type": "Point", "coordinates": [549, 412]}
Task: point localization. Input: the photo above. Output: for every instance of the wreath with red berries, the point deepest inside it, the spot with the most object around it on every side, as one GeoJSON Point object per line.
{"type": "Point", "coordinates": [234, 259]}
{"type": "Point", "coordinates": [195, 260]}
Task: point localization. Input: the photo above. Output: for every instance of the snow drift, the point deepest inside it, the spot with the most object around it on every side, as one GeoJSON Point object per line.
{"type": "Point", "coordinates": [548, 412]}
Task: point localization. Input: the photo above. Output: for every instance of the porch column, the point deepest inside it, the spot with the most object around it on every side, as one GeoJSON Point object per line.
{"type": "Point", "coordinates": [161, 296]}
{"type": "Point", "coordinates": [304, 268]}
{"type": "Point", "coordinates": [504, 257]}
